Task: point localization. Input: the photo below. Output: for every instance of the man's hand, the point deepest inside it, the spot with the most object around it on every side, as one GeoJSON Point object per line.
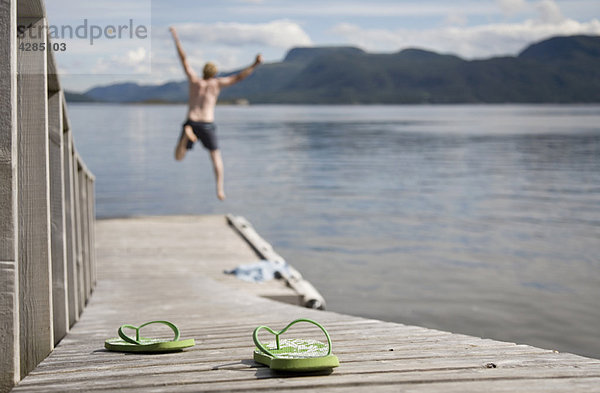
{"type": "Point", "coordinates": [259, 59]}
{"type": "Point", "coordinates": [186, 65]}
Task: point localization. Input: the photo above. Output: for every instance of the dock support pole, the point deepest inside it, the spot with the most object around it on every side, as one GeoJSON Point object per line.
{"type": "Point", "coordinates": [71, 237]}
{"type": "Point", "coordinates": [9, 252]}
{"type": "Point", "coordinates": [57, 213]}
{"type": "Point", "coordinates": [35, 273]}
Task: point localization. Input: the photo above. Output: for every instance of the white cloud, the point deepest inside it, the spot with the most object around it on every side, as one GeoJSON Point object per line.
{"type": "Point", "coordinates": [469, 42]}
{"type": "Point", "coordinates": [279, 34]}
{"type": "Point", "coordinates": [549, 12]}
{"type": "Point", "coordinates": [134, 61]}
{"type": "Point", "coordinates": [367, 9]}
{"type": "Point", "coordinates": [456, 19]}
{"type": "Point", "coordinates": [113, 11]}
{"type": "Point", "coordinates": [511, 7]}
{"type": "Point", "coordinates": [135, 57]}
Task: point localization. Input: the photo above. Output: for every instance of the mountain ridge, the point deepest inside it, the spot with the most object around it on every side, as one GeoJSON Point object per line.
{"type": "Point", "coordinates": [556, 70]}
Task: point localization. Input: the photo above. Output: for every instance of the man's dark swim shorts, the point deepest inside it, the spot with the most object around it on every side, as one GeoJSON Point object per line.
{"type": "Point", "coordinates": [206, 133]}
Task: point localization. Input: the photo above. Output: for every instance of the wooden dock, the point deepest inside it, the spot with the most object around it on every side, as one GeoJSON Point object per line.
{"type": "Point", "coordinates": [171, 268]}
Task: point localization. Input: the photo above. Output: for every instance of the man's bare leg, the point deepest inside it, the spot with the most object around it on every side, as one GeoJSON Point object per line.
{"type": "Point", "coordinates": [215, 156]}
{"type": "Point", "coordinates": [181, 149]}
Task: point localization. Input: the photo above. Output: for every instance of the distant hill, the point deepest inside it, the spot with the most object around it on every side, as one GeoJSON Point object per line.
{"type": "Point", "coordinates": [557, 70]}
{"type": "Point", "coordinates": [78, 97]}
{"type": "Point", "coordinates": [132, 92]}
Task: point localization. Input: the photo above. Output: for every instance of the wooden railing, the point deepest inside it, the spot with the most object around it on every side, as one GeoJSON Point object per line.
{"type": "Point", "coordinates": [47, 263]}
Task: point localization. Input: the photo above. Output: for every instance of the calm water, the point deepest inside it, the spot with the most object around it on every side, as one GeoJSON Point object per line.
{"type": "Point", "coordinates": [482, 220]}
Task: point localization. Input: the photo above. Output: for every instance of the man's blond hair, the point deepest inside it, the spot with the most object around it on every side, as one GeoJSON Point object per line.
{"type": "Point", "coordinates": [210, 70]}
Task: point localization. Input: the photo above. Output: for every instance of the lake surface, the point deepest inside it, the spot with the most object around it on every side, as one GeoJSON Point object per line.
{"type": "Point", "coordinates": [482, 220]}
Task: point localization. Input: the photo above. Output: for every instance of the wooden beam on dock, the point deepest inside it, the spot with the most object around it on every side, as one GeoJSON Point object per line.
{"type": "Point", "coordinates": [35, 272]}
{"type": "Point", "coordinates": [309, 296]}
{"type": "Point", "coordinates": [60, 306]}
{"type": "Point", "coordinates": [9, 253]}
{"type": "Point", "coordinates": [32, 9]}
{"type": "Point", "coordinates": [70, 227]}
{"type": "Point", "coordinates": [153, 268]}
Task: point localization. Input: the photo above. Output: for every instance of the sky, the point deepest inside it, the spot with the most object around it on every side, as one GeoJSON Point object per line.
{"type": "Point", "coordinates": [129, 40]}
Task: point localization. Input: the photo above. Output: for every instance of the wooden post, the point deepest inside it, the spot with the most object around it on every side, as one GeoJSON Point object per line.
{"type": "Point", "coordinates": [57, 214]}
{"type": "Point", "coordinates": [77, 227]}
{"type": "Point", "coordinates": [35, 274]}
{"type": "Point", "coordinates": [9, 255]}
{"type": "Point", "coordinates": [83, 217]}
{"type": "Point", "coordinates": [92, 228]}
{"type": "Point", "coordinates": [71, 239]}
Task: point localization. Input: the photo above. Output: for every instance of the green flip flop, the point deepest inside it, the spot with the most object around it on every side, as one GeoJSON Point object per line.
{"type": "Point", "coordinates": [294, 355]}
{"type": "Point", "coordinates": [148, 345]}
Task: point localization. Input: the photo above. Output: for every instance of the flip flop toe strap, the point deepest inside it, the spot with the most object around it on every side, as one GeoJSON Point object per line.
{"type": "Point", "coordinates": [263, 349]}
{"type": "Point", "coordinates": [137, 329]}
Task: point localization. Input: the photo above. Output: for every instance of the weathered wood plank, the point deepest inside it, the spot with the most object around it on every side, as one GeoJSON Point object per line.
{"type": "Point", "coordinates": [245, 375]}
{"type": "Point", "coordinates": [33, 229]}
{"type": "Point", "coordinates": [9, 284]}
{"type": "Point", "coordinates": [533, 386]}
{"type": "Point", "coordinates": [84, 230]}
{"type": "Point", "coordinates": [190, 231]}
{"type": "Point", "coordinates": [212, 369]}
{"type": "Point", "coordinates": [34, 208]}
{"type": "Point", "coordinates": [146, 273]}
{"type": "Point", "coordinates": [57, 214]}
{"type": "Point", "coordinates": [66, 121]}
{"type": "Point", "coordinates": [70, 236]}
{"type": "Point", "coordinates": [31, 9]}
{"type": "Point", "coordinates": [53, 79]}
{"type": "Point", "coordinates": [91, 201]}
{"type": "Point", "coordinates": [79, 274]}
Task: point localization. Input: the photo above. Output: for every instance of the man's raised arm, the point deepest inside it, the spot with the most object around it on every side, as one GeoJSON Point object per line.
{"type": "Point", "coordinates": [186, 65]}
{"type": "Point", "coordinates": [233, 79]}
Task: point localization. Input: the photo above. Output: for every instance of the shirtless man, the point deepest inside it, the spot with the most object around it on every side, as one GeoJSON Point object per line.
{"type": "Point", "coordinates": [201, 113]}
